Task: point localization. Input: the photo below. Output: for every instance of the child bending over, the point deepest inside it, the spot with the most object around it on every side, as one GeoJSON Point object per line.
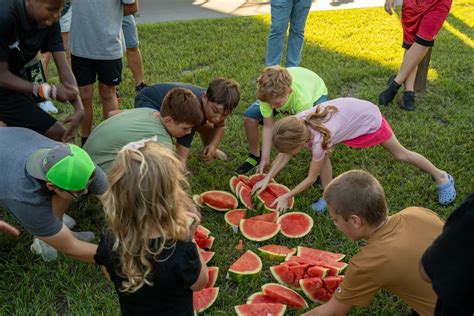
{"type": "Point", "coordinates": [148, 252]}
{"type": "Point", "coordinates": [356, 123]}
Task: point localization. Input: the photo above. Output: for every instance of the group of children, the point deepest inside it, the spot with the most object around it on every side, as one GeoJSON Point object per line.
{"type": "Point", "coordinates": [147, 251]}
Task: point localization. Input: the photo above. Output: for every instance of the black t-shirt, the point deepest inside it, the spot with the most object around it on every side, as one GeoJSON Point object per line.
{"type": "Point", "coordinates": [175, 271]}
{"type": "Point", "coordinates": [449, 263]}
{"type": "Point", "coordinates": [152, 97]}
{"type": "Point", "coordinates": [20, 40]}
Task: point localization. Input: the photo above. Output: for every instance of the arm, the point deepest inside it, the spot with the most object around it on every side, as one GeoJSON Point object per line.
{"type": "Point", "coordinates": [130, 8]}
{"type": "Point", "coordinates": [210, 150]}
{"type": "Point", "coordinates": [203, 275]}
{"type": "Point", "coordinates": [280, 161]}
{"type": "Point", "coordinates": [12, 82]}
{"type": "Point", "coordinates": [65, 242]}
{"type": "Point", "coordinates": [7, 228]}
{"type": "Point", "coordinates": [266, 143]}
{"type": "Point", "coordinates": [331, 308]}
{"type": "Point", "coordinates": [182, 152]}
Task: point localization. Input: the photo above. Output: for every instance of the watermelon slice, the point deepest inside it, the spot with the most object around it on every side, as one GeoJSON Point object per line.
{"type": "Point", "coordinates": [312, 253]}
{"type": "Point", "coordinates": [207, 255]}
{"type": "Point", "coordinates": [201, 232]}
{"type": "Point", "coordinates": [233, 217]}
{"type": "Point", "coordinates": [267, 197]}
{"type": "Point", "coordinates": [320, 290]}
{"type": "Point", "coordinates": [219, 200]}
{"type": "Point", "coordinates": [295, 224]}
{"type": "Point", "coordinates": [284, 295]}
{"type": "Point", "coordinates": [259, 297]}
{"type": "Point", "coordinates": [245, 180]}
{"type": "Point", "coordinates": [335, 267]}
{"type": "Point", "coordinates": [245, 196]}
{"type": "Point", "coordinates": [284, 276]}
{"type": "Point", "coordinates": [258, 230]}
{"type": "Point", "coordinates": [260, 309]}
{"type": "Point", "coordinates": [197, 200]}
{"type": "Point", "coordinates": [247, 267]}
{"type": "Point", "coordinates": [316, 271]}
{"type": "Point", "coordinates": [212, 273]}
{"type": "Point", "coordinates": [205, 243]}
{"type": "Point", "coordinates": [268, 217]}
{"type": "Point", "coordinates": [276, 252]}
{"type": "Point", "coordinates": [253, 179]}
{"type": "Point", "coordinates": [203, 299]}
{"type": "Point", "coordinates": [233, 183]}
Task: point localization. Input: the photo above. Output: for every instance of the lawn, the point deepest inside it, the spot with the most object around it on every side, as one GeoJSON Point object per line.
{"type": "Point", "coordinates": [354, 51]}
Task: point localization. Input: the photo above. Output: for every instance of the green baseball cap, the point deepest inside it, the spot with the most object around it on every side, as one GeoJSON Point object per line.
{"type": "Point", "coordinates": [68, 167]}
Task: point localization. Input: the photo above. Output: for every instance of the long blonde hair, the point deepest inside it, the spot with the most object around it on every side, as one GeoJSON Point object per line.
{"type": "Point", "coordinates": [290, 133]}
{"type": "Point", "coordinates": [146, 198]}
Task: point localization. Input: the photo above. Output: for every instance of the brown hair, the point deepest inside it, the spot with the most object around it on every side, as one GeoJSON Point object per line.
{"type": "Point", "coordinates": [146, 198]}
{"type": "Point", "coordinates": [291, 132]}
{"type": "Point", "coordinates": [225, 92]}
{"type": "Point", "coordinates": [182, 106]}
{"type": "Point", "coordinates": [274, 82]}
{"type": "Point", "coordinates": [357, 192]}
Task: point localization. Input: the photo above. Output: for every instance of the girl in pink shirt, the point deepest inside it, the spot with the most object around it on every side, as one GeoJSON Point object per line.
{"type": "Point", "coordinates": [356, 123]}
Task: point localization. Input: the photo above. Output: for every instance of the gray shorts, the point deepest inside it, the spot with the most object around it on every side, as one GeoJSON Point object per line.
{"type": "Point", "coordinates": [130, 34]}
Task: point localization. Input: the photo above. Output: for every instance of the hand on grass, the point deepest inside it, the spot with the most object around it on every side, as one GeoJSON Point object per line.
{"type": "Point", "coordinates": [74, 120]}
{"type": "Point", "coordinates": [281, 203]}
{"type": "Point", "coordinates": [389, 6]}
{"type": "Point", "coordinates": [7, 228]}
{"type": "Point", "coordinates": [209, 153]}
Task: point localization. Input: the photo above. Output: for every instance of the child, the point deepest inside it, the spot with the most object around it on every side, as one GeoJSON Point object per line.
{"type": "Point", "coordinates": [394, 247]}
{"type": "Point", "coordinates": [148, 253]}
{"type": "Point", "coordinates": [179, 113]}
{"type": "Point", "coordinates": [356, 123]}
{"type": "Point", "coordinates": [216, 103]}
{"type": "Point", "coordinates": [279, 90]}
{"type": "Point", "coordinates": [421, 21]}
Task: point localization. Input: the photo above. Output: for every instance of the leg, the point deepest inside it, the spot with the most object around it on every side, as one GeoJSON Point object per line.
{"type": "Point", "coordinates": [410, 62]}
{"type": "Point", "coordinates": [299, 14]}
{"type": "Point", "coordinates": [280, 15]}
{"type": "Point", "coordinates": [108, 99]}
{"type": "Point", "coordinates": [402, 154]}
{"type": "Point", "coordinates": [326, 171]}
{"type": "Point", "coordinates": [253, 135]}
{"type": "Point", "coordinates": [134, 60]}
{"type": "Point", "coordinates": [86, 93]}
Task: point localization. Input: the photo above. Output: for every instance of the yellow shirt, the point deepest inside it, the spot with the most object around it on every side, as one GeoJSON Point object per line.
{"type": "Point", "coordinates": [390, 261]}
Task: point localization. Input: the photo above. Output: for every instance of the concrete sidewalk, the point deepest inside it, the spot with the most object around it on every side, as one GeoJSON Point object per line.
{"type": "Point", "coordinates": [175, 10]}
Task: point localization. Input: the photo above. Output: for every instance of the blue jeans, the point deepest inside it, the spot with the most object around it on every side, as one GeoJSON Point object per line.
{"type": "Point", "coordinates": [129, 29]}
{"type": "Point", "coordinates": [283, 11]}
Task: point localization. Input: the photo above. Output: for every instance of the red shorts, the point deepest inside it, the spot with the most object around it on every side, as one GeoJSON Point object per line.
{"type": "Point", "coordinates": [381, 135]}
{"type": "Point", "coordinates": [422, 20]}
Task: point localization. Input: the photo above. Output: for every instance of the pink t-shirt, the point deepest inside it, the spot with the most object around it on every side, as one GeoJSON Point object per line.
{"type": "Point", "coordinates": [354, 118]}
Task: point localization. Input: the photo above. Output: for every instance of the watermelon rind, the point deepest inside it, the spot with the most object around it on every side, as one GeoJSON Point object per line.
{"type": "Point", "coordinates": [242, 190]}
{"type": "Point", "coordinates": [307, 292]}
{"type": "Point", "coordinates": [264, 309]}
{"type": "Point", "coordinates": [279, 279]}
{"type": "Point", "coordinates": [332, 255]}
{"type": "Point", "coordinates": [215, 207]}
{"type": "Point", "coordinates": [296, 295]}
{"type": "Point", "coordinates": [267, 217]}
{"type": "Point", "coordinates": [214, 292]}
{"type": "Point", "coordinates": [233, 183]}
{"type": "Point", "coordinates": [261, 238]}
{"type": "Point", "coordinates": [227, 216]}
{"type": "Point", "coordinates": [243, 276]}
{"type": "Point", "coordinates": [300, 234]}
{"type": "Point", "coordinates": [213, 273]}
{"type": "Point", "coordinates": [268, 254]}
{"type": "Point", "coordinates": [197, 200]}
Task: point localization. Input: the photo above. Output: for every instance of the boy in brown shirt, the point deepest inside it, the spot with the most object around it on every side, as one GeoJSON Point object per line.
{"type": "Point", "coordinates": [394, 247]}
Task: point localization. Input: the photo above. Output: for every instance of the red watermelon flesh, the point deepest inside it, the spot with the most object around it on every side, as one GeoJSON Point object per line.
{"type": "Point", "coordinates": [335, 267]}
{"type": "Point", "coordinates": [332, 282]}
{"type": "Point", "coordinates": [316, 271]}
{"type": "Point", "coordinates": [245, 195]}
{"type": "Point", "coordinates": [268, 217]}
{"type": "Point", "coordinates": [295, 224]}
{"type": "Point", "coordinates": [260, 309]}
{"type": "Point", "coordinates": [257, 178]}
{"type": "Point", "coordinates": [201, 232]}
{"type": "Point", "coordinates": [212, 273]}
{"type": "Point", "coordinates": [284, 295]}
{"type": "Point", "coordinates": [259, 297]}
{"type": "Point", "coordinates": [233, 184]}
{"type": "Point", "coordinates": [245, 180]}
{"type": "Point", "coordinates": [207, 255]}
{"type": "Point", "coordinates": [219, 200]}
{"type": "Point", "coordinates": [205, 243]}
{"type": "Point", "coordinates": [203, 299]}
{"type": "Point", "coordinates": [273, 191]}
{"type": "Point", "coordinates": [283, 275]}
{"type": "Point", "coordinates": [233, 217]}
{"type": "Point", "coordinates": [245, 267]}
{"type": "Point", "coordinates": [321, 290]}
{"type": "Point", "coordinates": [258, 230]}
{"type": "Point", "coordinates": [312, 253]}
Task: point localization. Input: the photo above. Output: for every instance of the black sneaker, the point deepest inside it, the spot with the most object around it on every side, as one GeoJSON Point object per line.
{"type": "Point", "coordinates": [248, 165]}
{"type": "Point", "coordinates": [139, 87]}
{"type": "Point", "coordinates": [408, 103]}
{"type": "Point", "coordinates": [388, 94]}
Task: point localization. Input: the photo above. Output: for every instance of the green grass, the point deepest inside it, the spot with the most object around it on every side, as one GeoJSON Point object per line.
{"type": "Point", "coordinates": [354, 51]}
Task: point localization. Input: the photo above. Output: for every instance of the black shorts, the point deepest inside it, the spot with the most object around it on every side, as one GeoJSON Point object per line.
{"type": "Point", "coordinates": [20, 110]}
{"type": "Point", "coordinates": [87, 71]}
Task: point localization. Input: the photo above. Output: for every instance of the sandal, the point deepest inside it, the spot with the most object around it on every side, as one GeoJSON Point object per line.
{"type": "Point", "coordinates": [446, 192]}
{"type": "Point", "coordinates": [319, 206]}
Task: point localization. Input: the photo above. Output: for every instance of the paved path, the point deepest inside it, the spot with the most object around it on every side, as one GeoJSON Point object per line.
{"type": "Point", "coordinates": [174, 10]}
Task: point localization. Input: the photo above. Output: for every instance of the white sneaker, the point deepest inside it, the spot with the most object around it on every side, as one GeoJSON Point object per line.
{"type": "Point", "coordinates": [48, 107]}
{"type": "Point", "coordinates": [69, 221]}
{"type": "Point", "coordinates": [220, 155]}
{"type": "Point", "coordinates": [41, 248]}
{"type": "Point", "coordinates": [84, 236]}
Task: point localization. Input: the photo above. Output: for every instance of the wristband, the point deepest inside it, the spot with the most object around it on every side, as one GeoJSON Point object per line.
{"type": "Point", "coordinates": [44, 91]}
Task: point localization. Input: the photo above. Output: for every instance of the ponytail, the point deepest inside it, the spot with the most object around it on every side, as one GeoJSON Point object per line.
{"type": "Point", "coordinates": [315, 121]}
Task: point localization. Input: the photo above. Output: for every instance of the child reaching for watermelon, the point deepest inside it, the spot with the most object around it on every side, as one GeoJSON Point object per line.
{"type": "Point", "coordinates": [148, 252]}
{"type": "Point", "coordinates": [356, 123]}
{"type": "Point", "coordinates": [395, 245]}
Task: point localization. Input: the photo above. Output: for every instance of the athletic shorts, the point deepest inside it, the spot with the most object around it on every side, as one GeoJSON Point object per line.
{"type": "Point", "coordinates": [129, 29]}
{"type": "Point", "coordinates": [378, 137]}
{"type": "Point", "coordinates": [253, 111]}
{"type": "Point", "coordinates": [87, 71]}
{"type": "Point", "coordinates": [20, 110]}
{"type": "Point", "coordinates": [422, 20]}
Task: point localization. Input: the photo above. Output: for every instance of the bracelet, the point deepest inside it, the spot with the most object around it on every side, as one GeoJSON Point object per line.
{"type": "Point", "coordinates": [44, 91]}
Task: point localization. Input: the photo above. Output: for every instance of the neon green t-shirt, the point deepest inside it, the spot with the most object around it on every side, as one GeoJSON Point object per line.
{"type": "Point", "coordinates": [132, 125]}
{"type": "Point", "coordinates": [307, 87]}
